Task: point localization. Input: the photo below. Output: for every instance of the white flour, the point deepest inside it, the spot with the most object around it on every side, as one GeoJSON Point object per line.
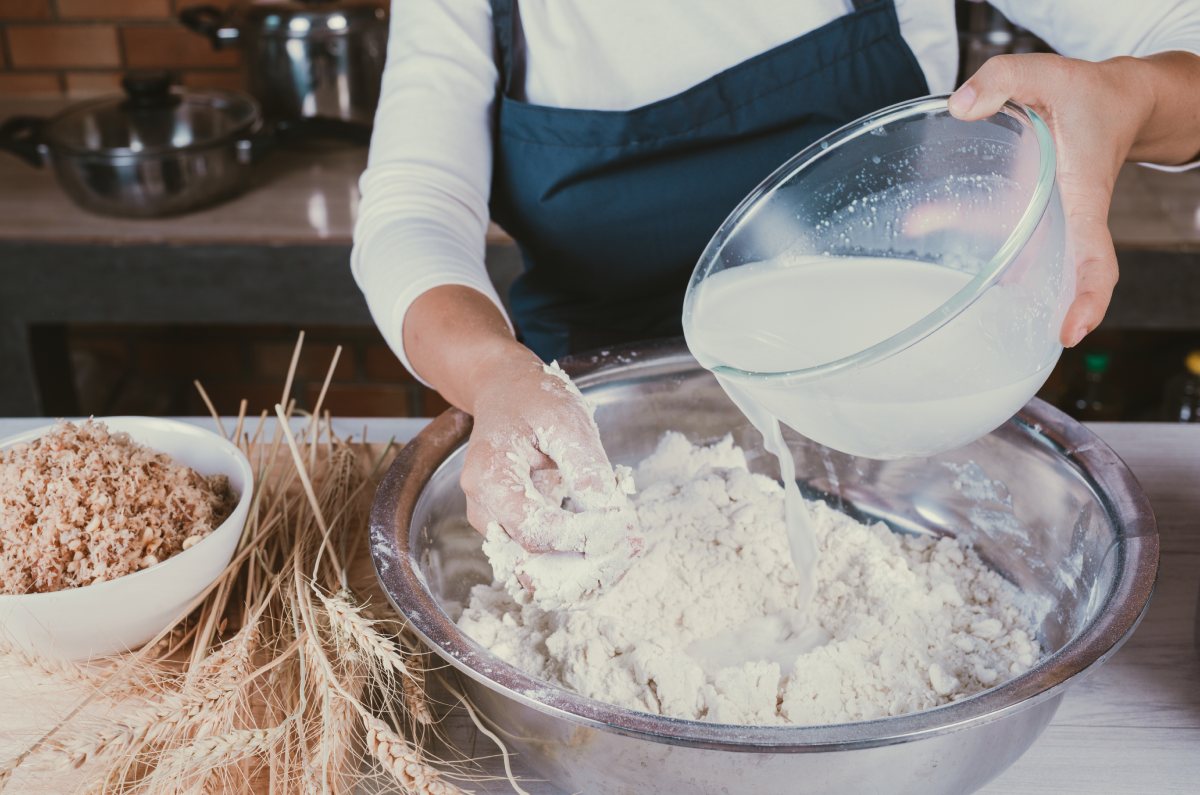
{"type": "Point", "coordinates": [707, 623]}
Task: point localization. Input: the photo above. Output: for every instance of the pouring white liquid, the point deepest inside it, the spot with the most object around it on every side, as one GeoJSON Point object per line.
{"type": "Point", "coordinates": [950, 388]}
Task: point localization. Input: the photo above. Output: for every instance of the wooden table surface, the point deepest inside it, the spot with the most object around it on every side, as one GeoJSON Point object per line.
{"type": "Point", "coordinates": [1131, 727]}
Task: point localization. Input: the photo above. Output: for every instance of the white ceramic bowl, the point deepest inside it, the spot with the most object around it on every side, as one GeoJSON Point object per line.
{"type": "Point", "coordinates": [122, 614]}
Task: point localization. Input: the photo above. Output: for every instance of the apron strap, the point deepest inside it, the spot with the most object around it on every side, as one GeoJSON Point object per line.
{"type": "Point", "coordinates": [859, 5]}
{"type": "Point", "coordinates": [510, 44]}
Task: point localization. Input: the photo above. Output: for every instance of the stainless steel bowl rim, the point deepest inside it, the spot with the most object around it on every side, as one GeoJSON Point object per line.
{"type": "Point", "coordinates": [210, 98]}
{"type": "Point", "coordinates": [1004, 256]}
{"type": "Point", "coordinates": [407, 592]}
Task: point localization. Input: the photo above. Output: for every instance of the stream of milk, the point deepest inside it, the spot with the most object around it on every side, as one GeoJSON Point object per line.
{"type": "Point", "coordinates": [799, 312]}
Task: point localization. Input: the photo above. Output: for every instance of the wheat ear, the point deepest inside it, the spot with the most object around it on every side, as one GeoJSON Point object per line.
{"type": "Point", "coordinates": [350, 624]}
{"type": "Point", "coordinates": [403, 762]}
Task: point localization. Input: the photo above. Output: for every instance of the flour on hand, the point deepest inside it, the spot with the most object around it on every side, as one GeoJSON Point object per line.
{"type": "Point", "coordinates": [709, 622]}
{"type": "Point", "coordinates": [590, 532]}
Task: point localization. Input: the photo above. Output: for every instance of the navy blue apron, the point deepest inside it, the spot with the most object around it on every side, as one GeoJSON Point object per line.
{"type": "Point", "coordinates": [612, 209]}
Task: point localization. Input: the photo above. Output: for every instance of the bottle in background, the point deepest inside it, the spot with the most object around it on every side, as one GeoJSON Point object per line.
{"type": "Point", "coordinates": [1182, 402]}
{"type": "Point", "coordinates": [1094, 398]}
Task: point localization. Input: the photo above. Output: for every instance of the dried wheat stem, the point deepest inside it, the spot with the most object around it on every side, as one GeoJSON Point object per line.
{"type": "Point", "coordinates": [329, 437]}
{"type": "Point", "coordinates": [291, 374]}
{"type": "Point", "coordinates": [211, 408]}
{"type": "Point", "coordinates": [504, 752]}
{"type": "Point", "coordinates": [122, 673]}
{"type": "Point", "coordinates": [415, 700]}
{"type": "Point", "coordinates": [54, 669]}
{"type": "Point", "coordinates": [318, 515]}
{"type": "Point", "coordinates": [169, 714]}
{"type": "Point", "coordinates": [258, 432]}
{"type": "Point", "coordinates": [241, 421]}
{"type": "Point", "coordinates": [316, 425]}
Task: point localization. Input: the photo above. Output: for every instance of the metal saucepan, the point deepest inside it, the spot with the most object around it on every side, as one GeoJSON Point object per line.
{"type": "Point", "coordinates": [305, 58]}
{"type": "Point", "coordinates": [158, 150]}
{"type": "Point", "coordinates": [1060, 515]}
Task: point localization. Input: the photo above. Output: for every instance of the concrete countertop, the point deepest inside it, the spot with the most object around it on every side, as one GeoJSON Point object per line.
{"type": "Point", "coordinates": [310, 195]}
{"type": "Point", "coordinates": [300, 194]}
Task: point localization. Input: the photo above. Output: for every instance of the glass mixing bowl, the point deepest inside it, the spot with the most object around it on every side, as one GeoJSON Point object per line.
{"type": "Point", "coordinates": [846, 352]}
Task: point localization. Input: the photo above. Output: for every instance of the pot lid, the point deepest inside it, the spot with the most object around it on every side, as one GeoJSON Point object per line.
{"type": "Point", "coordinates": [300, 18]}
{"type": "Point", "coordinates": [152, 117]}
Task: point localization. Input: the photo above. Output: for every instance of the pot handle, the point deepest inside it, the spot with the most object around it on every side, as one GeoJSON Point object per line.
{"type": "Point", "coordinates": [209, 21]}
{"type": "Point", "coordinates": [22, 136]}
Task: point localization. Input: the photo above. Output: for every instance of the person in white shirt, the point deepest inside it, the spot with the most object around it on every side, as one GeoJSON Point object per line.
{"type": "Point", "coordinates": [611, 138]}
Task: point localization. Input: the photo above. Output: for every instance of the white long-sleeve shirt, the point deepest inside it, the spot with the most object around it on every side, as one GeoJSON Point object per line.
{"type": "Point", "coordinates": [423, 215]}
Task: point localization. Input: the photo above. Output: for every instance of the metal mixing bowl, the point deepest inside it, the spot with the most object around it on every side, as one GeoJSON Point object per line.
{"type": "Point", "coordinates": [1043, 499]}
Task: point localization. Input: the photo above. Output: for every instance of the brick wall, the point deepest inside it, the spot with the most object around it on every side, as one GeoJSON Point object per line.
{"type": "Point", "coordinates": [82, 47]}
{"type": "Point", "coordinates": [150, 369]}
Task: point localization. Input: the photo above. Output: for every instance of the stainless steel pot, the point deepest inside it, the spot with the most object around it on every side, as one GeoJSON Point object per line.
{"type": "Point", "coordinates": [1043, 499]}
{"type": "Point", "coordinates": [155, 151]}
{"type": "Point", "coordinates": [306, 58]}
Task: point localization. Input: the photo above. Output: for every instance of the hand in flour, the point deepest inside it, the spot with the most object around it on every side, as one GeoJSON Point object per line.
{"type": "Point", "coordinates": [557, 520]}
{"type": "Point", "coordinates": [1101, 114]}
{"type": "Point", "coordinates": [535, 461]}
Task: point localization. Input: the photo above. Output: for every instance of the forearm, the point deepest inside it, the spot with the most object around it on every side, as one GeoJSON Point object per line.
{"type": "Point", "coordinates": [1170, 132]}
{"type": "Point", "coordinates": [455, 338]}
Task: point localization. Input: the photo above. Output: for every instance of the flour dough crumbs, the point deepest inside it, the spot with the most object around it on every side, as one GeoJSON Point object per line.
{"type": "Point", "coordinates": [706, 623]}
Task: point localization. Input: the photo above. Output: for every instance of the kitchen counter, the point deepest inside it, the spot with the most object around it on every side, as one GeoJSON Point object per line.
{"type": "Point", "coordinates": [304, 194]}
{"type": "Point", "coordinates": [278, 254]}
{"type": "Point", "coordinates": [309, 195]}
{"type": "Point", "coordinates": [1133, 726]}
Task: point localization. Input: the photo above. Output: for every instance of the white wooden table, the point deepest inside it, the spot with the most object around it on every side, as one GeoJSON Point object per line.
{"type": "Point", "coordinates": [1133, 726]}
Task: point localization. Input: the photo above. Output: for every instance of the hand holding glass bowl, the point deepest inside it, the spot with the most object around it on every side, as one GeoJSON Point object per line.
{"type": "Point", "coordinates": [912, 192]}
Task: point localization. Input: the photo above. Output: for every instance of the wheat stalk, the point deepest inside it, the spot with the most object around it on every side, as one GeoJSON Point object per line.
{"type": "Point", "coordinates": [403, 762]}
{"type": "Point", "coordinates": [275, 672]}
{"type": "Point", "coordinates": [172, 712]}
{"type": "Point", "coordinates": [53, 669]}
{"type": "Point", "coordinates": [225, 747]}
{"type": "Point", "coordinates": [349, 624]}
{"type": "Point", "coordinates": [415, 699]}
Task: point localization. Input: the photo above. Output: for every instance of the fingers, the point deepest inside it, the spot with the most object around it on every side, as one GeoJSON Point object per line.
{"type": "Point", "coordinates": [1086, 167]}
{"type": "Point", "coordinates": [499, 489]}
{"type": "Point", "coordinates": [533, 481]}
{"type": "Point", "coordinates": [1024, 78]}
{"type": "Point", "coordinates": [1085, 199]}
{"type": "Point", "coordinates": [1095, 277]}
{"type": "Point", "coordinates": [549, 483]}
{"type": "Point", "coordinates": [586, 475]}
{"type": "Point", "coordinates": [571, 440]}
